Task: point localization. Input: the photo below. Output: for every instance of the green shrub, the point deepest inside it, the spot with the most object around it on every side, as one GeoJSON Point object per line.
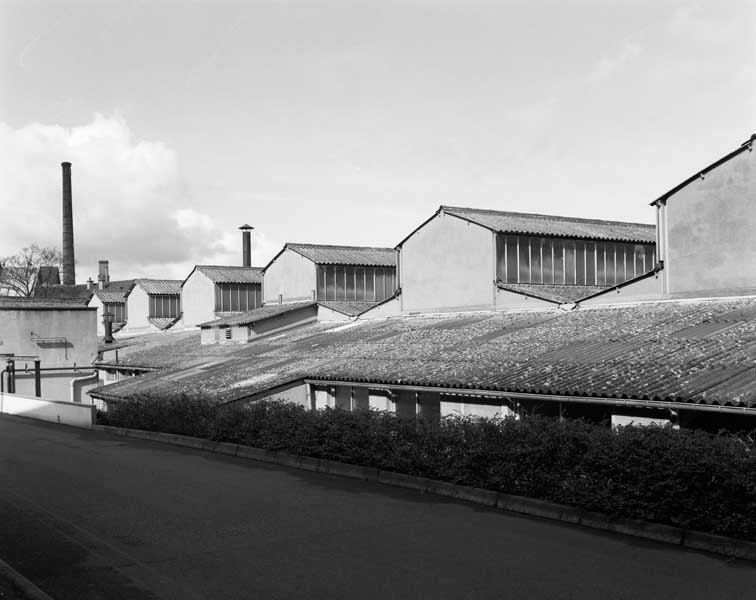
{"type": "Point", "coordinates": [686, 478]}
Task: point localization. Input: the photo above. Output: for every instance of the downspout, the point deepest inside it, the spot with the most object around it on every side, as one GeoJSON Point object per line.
{"type": "Point", "coordinates": [82, 380]}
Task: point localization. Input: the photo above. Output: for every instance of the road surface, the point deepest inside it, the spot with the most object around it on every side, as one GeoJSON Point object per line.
{"type": "Point", "coordinates": [86, 514]}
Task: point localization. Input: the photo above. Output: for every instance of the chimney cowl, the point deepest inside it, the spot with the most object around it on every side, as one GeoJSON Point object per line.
{"type": "Point", "coordinates": [90, 283]}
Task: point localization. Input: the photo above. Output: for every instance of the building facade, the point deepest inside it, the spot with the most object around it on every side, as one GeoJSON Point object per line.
{"type": "Point", "coordinates": [211, 292]}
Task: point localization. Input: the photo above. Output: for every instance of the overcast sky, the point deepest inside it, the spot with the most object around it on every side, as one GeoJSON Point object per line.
{"type": "Point", "coordinates": [350, 122]}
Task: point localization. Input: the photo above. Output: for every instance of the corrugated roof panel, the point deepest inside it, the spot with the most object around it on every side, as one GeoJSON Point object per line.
{"type": "Point", "coordinates": [259, 314]}
{"type": "Point", "coordinates": [346, 255]}
{"type": "Point", "coordinates": [167, 287]}
{"type": "Point", "coordinates": [622, 352]}
{"type": "Point", "coordinates": [702, 330]}
{"type": "Point", "coordinates": [222, 274]}
{"type": "Point", "coordinates": [511, 222]}
{"type": "Point", "coordinates": [111, 297]}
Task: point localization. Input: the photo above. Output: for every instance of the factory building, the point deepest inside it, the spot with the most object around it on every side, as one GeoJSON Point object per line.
{"type": "Point", "coordinates": [153, 305]}
{"type": "Point", "coordinates": [464, 259]}
{"type": "Point", "coordinates": [213, 291]}
{"type": "Point", "coordinates": [331, 275]}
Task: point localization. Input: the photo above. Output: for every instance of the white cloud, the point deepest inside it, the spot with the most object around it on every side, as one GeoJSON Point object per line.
{"type": "Point", "coordinates": [131, 205]}
{"type": "Point", "coordinates": [608, 65]}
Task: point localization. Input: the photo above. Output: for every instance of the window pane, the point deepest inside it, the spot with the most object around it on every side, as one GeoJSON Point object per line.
{"type": "Point", "coordinates": [360, 285]}
{"type": "Point", "coordinates": [370, 284]}
{"type": "Point", "coordinates": [558, 262]}
{"type": "Point", "coordinates": [390, 282]}
{"type": "Point", "coordinates": [590, 263]}
{"type": "Point", "coordinates": [600, 266]}
{"type": "Point", "coordinates": [226, 298]}
{"type": "Point", "coordinates": [351, 288]}
{"type": "Point", "coordinates": [501, 257]}
{"type": "Point", "coordinates": [321, 293]}
{"type": "Point", "coordinates": [535, 260]}
{"type": "Point", "coordinates": [217, 298]}
{"type": "Point", "coordinates": [511, 259]}
{"type": "Point", "coordinates": [569, 263]}
{"type": "Point", "coordinates": [547, 264]}
{"type": "Point", "coordinates": [611, 277]}
{"type": "Point", "coordinates": [340, 288]}
{"type": "Point", "coordinates": [650, 257]}
{"type": "Point", "coordinates": [629, 261]}
{"type": "Point", "coordinates": [524, 259]}
{"type": "Point", "coordinates": [331, 283]}
{"type": "Point", "coordinates": [580, 263]}
{"type": "Point", "coordinates": [379, 284]}
{"type": "Point", "coordinates": [639, 255]}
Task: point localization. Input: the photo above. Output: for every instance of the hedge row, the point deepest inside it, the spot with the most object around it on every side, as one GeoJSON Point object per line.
{"type": "Point", "coordinates": [686, 478]}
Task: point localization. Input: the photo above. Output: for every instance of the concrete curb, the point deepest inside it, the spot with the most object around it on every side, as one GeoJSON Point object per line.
{"type": "Point", "coordinates": [21, 584]}
{"type": "Point", "coordinates": [695, 540]}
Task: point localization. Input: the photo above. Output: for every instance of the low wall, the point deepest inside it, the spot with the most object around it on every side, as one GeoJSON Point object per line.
{"type": "Point", "coordinates": [66, 413]}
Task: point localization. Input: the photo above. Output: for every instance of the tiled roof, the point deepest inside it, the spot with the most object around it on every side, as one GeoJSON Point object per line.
{"type": "Point", "coordinates": [79, 292]}
{"type": "Point", "coordinates": [168, 287]}
{"type": "Point", "coordinates": [35, 303]}
{"type": "Point", "coordinates": [221, 274]}
{"type": "Point", "coordinates": [553, 293]}
{"type": "Point", "coordinates": [257, 315]}
{"type": "Point", "coordinates": [620, 352]}
{"type": "Point", "coordinates": [351, 309]}
{"type": "Point", "coordinates": [346, 255]}
{"type": "Point", "coordinates": [163, 323]}
{"type": "Point", "coordinates": [570, 227]}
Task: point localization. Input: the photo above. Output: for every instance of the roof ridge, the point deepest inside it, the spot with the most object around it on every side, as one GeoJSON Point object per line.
{"type": "Point", "coordinates": [546, 217]}
{"type": "Point", "coordinates": [225, 267]}
{"type": "Point", "coordinates": [334, 246]}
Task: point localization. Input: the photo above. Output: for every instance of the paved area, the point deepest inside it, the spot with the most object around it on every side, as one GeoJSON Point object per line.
{"type": "Point", "coordinates": [89, 515]}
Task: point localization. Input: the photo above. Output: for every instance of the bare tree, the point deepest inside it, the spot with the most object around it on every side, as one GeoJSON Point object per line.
{"type": "Point", "coordinates": [18, 273]}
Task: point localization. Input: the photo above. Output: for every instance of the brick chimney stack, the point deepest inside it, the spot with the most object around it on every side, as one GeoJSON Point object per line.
{"type": "Point", "coordinates": [103, 271]}
{"type": "Point", "coordinates": [68, 269]}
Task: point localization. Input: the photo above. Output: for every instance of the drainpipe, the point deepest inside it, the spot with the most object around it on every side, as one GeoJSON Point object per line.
{"type": "Point", "coordinates": [37, 379]}
{"type": "Point", "coordinates": [82, 380]}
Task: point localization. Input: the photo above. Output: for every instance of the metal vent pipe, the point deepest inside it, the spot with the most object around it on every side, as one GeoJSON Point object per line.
{"type": "Point", "coordinates": [246, 245]}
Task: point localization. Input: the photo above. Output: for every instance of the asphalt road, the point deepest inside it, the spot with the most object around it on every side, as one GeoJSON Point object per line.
{"type": "Point", "coordinates": [86, 514]}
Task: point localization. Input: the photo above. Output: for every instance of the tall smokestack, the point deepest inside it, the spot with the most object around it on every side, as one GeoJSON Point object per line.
{"type": "Point", "coordinates": [246, 245]}
{"type": "Point", "coordinates": [68, 271]}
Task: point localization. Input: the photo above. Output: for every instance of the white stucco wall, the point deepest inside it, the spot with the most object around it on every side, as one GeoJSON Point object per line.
{"type": "Point", "coordinates": [198, 300]}
{"type": "Point", "coordinates": [647, 289]}
{"type": "Point", "coordinates": [710, 224]}
{"type": "Point", "coordinates": [508, 300]}
{"type": "Point", "coordinates": [390, 308]}
{"type": "Point", "coordinates": [448, 264]}
{"type": "Point", "coordinates": [95, 302]}
{"type": "Point", "coordinates": [138, 311]}
{"type": "Point", "coordinates": [291, 275]}
{"type": "Point", "coordinates": [326, 315]}
{"type": "Point", "coordinates": [59, 337]}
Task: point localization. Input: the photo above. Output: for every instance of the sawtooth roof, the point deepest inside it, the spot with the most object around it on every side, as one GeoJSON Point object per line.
{"type": "Point", "coordinates": [163, 287]}
{"type": "Point", "coordinates": [363, 256]}
{"type": "Point", "coordinates": [552, 225]}
{"type": "Point", "coordinates": [226, 274]}
{"type": "Point", "coordinates": [699, 352]}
